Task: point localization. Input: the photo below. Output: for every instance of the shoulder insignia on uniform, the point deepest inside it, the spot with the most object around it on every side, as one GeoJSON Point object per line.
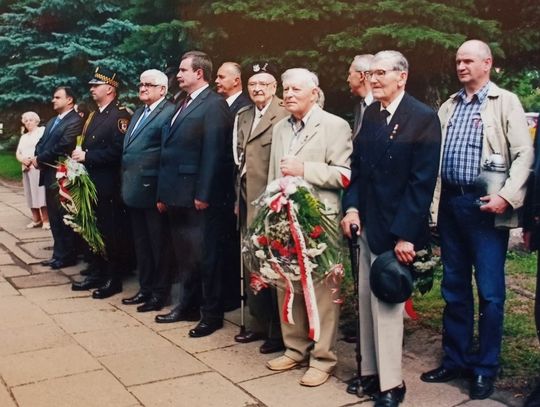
{"type": "Point", "coordinates": [123, 125]}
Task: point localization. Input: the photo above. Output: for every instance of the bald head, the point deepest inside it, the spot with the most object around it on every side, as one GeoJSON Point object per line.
{"type": "Point", "coordinates": [473, 65]}
{"type": "Point", "coordinates": [228, 79]}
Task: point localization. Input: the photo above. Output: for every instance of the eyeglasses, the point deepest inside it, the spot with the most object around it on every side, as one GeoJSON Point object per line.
{"type": "Point", "coordinates": [260, 84]}
{"type": "Point", "coordinates": [147, 85]}
{"type": "Point", "coordinates": [379, 73]}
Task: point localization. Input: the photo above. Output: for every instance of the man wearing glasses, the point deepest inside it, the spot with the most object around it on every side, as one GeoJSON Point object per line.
{"type": "Point", "coordinates": [140, 167]}
{"type": "Point", "coordinates": [394, 171]}
{"type": "Point", "coordinates": [252, 140]}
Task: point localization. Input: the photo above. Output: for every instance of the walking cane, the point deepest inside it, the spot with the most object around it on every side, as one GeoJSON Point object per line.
{"type": "Point", "coordinates": [355, 385]}
{"type": "Point", "coordinates": [242, 293]}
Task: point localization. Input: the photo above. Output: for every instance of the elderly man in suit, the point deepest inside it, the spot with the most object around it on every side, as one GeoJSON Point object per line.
{"type": "Point", "coordinates": [192, 186]}
{"type": "Point", "coordinates": [315, 145]}
{"type": "Point", "coordinates": [394, 171]}
{"type": "Point", "coordinates": [58, 140]}
{"type": "Point", "coordinates": [360, 88]}
{"type": "Point", "coordinates": [140, 168]}
{"type": "Point", "coordinates": [101, 152]}
{"type": "Point", "coordinates": [252, 139]}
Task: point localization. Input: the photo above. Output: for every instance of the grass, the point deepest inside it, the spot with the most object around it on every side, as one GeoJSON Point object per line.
{"type": "Point", "coordinates": [10, 168]}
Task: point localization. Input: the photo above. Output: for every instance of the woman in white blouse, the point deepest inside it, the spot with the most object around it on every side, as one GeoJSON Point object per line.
{"type": "Point", "coordinates": [35, 195]}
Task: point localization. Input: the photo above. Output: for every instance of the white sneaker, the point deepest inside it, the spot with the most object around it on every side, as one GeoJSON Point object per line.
{"type": "Point", "coordinates": [33, 225]}
{"type": "Point", "coordinates": [46, 226]}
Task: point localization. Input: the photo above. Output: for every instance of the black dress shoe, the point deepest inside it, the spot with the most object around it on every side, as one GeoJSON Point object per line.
{"type": "Point", "coordinates": [364, 386]}
{"type": "Point", "coordinates": [248, 336]}
{"type": "Point", "coordinates": [47, 262]}
{"type": "Point", "coordinates": [138, 298]}
{"type": "Point", "coordinates": [440, 375]}
{"type": "Point", "coordinates": [178, 314]}
{"type": "Point", "coordinates": [481, 387]}
{"type": "Point", "coordinates": [272, 346]}
{"type": "Point", "coordinates": [153, 304]}
{"type": "Point", "coordinates": [391, 398]}
{"type": "Point", "coordinates": [205, 328]}
{"type": "Point", "coordinates": [60, 264]}
{"type": "Point", "coordinates": [112, 286]}
{"type": "Point", "coordinates": [87, 284]}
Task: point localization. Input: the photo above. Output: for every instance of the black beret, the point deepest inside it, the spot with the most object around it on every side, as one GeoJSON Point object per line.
{"type": "Point", "coordinates": [261, 67]}
{"type": "Point", "coordinates": [104, 76]}
{"type": "Point", "coordinates": [390, 280]}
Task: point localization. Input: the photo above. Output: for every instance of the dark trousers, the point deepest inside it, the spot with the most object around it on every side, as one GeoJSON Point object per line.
{"type": "Point", "coordinates": [230, 254]}
{"type": "Point", "coordinates": [153, 251]}
{"type": "Point", "coordinates": [64, 237]}
{"type": "Point", "coordinates": [469, 239]}
{"type": "Point", "coordinates": [195, 237]}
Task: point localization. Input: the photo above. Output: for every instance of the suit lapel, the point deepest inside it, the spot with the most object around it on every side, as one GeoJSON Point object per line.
{"type": "Point", "coordinates": [190, 108]}
{"type": "Point", "coordinates": [133, 135]}
{"type": "Point", "coordinates": [312, 126]}
{"type": "Point", "coordinates": [266, 120]}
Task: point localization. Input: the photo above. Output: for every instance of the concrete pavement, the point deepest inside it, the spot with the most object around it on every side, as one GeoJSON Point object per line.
{"type": "Point", "coordinates": [63, 348]}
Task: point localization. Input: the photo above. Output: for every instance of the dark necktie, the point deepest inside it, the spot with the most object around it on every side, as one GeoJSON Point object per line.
{"type": "Point", "coordinates": [183, 105]}
{"type": "Point", "coordinates": [383, 115]}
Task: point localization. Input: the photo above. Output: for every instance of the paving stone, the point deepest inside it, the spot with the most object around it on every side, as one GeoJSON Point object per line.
{"type": "Point", "coordinates": [6, 258]}
{"type": "Point", "coordinates": [93, 320]}
{"type": "Point", "coordinates": [71, 305]}
{"type": "Point", "coordinates": [346, 367]}
{"type": "Point", "coordinates": [148, 319]}
{"type": "Point", "coordinates": [219, 339]}
{"type": "Point", "coordinates": [205, 389]}
{"type": "Point", "coordinates": [283, 389]}
{"type": "Point", "coordinates": [108, 342]}
{"type": "Point", "coordinates": [5, 397]}
{"type": "Point", "coordinates": [43, 364]}
{"type": "Point", "coordinates": [41, 294]}
{"type": "Point", "coordinates": [32, 337]}
{"type": "Point", "coordinates": [161, 363]}
{"type": "Point", "coordinates": [16, 311]}
{"type": "Point", "coordinates": [92, 389]}
{"type": "Point", "coordinates": [12, 271]}
{"type": "Point", "coordinates": [6, 289]}
{"type": "Point", "coordinates": [238, 363]}
{"type": "Point", "coordinates": [40, 280]}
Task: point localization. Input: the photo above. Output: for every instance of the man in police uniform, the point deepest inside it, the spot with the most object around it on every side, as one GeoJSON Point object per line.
{"type": "Point", "coordinates": [101, 152]}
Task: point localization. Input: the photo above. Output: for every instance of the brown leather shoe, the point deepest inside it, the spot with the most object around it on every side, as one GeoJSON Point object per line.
{"type": "Point", "coordinates": [281, 363]}
{"type": "Point", "coordinates": [314, 377]}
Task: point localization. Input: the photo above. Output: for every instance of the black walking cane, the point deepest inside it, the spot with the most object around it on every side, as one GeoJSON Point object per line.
{"type": "Point", "coordinates": [242, 293]}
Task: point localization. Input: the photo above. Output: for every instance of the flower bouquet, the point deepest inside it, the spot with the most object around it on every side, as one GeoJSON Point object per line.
{"type": "Point", "coordinates": [78, 197]}
{"type": "Point", "coordinates": [423, 269]}
{"type": "Point", "coordinates": [293, 239]}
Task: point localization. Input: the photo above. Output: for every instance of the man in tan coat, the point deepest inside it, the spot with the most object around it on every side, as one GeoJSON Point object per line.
{"type": "Point", "coordinates": [252, 141]}
{"type": "Point", "coordinates": [315, 145]}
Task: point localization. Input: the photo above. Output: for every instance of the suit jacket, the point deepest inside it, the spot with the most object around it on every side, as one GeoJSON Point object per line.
{"type": "Point", "coordinates": [55, 144]}
{"type": "Point", "coordinates": [394, 170]}
{"type": "Point", "coordinates": [359, 111]}
{"type": "Point", "coordinates": [325, 148]}
{"type": "Point", "coordinates": [241, 101]}
{"type": "Point", "coordinates": [254, 150]}
{"type": "Point", "coordinates": [141, 154]}
{"type": "Point", "coordinates": [195, 162]}
{"type": "Point", "coordinates": [103, 142]}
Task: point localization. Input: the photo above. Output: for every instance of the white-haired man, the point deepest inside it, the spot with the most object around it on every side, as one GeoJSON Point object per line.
{"type": "Point", "coordinates": [360, 88]}
{"type": "Point", "coordinates": [394, 171]}
{"type": "Point", "coordinates": [315, 145]}
{"type": "Point", "coordinates": [140, 166]}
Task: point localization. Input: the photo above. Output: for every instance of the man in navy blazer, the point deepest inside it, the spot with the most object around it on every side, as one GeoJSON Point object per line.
{"type": "Point", "coordinates": [58, 140]}
{"type": "Point", "coordinates": [140, 168]}
{"type": "Point", "coordinates": [192, 188]}
{"type": "Point", "coordinates": [394, 171]}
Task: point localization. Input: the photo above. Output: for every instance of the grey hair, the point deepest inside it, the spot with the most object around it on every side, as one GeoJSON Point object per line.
{"type": "Point", "coordinates": [399, 62]}
{"type": "Point", "coordinates": [160, 78]}
{"type": "Point", "coordinates": [308, 77]}
{"type": "Point", "coordinates": [362, 62]}
{"type": "Point", "coordinates": [31, 115]}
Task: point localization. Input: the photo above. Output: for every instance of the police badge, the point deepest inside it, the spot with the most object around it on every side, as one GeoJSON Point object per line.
{"type": "Point", "coordinates": [123, 125]}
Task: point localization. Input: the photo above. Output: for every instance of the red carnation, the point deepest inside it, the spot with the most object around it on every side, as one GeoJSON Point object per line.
{"type": "Point", "coordinates": [276, 245]}
{"type": "Point", "coordinates": [283, 252]}
{"type": "Point", "coordinates": [262, 240]}
{"type": "Point", "coordinates": [316, 232]}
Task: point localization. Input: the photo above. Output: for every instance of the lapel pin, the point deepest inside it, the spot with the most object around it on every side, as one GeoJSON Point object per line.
{"type": "Point", "coordinates": [394, 131]}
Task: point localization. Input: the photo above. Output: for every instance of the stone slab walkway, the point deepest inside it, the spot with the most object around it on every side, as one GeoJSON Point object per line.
{"type": "Point", "coordinates": [62, 348]}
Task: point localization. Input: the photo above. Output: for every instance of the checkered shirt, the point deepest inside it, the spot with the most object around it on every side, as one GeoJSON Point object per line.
{"type": "Point", "coordinates": [463, 144]}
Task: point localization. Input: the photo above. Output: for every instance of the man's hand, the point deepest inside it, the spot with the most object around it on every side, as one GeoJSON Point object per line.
{"type": "Point", "coordinates": [495, 204]}
{"type": "Point", "coordinates": [200, 205]}
{"type": "Point", "coordinates": [27, 162]}
{"type": "Point", "coordinates": [291, 166]}
{"type": "Point", "coordinates": [34, 162]}
{"type": "Point", "coordinates": [78, 155]}
{"type": "Point", "coordinates": [236, 209]}
{"type": "Point", "coordinates": [161, 207]}
{"type": "Point", "coordinates": [351, 218]}
{"type": "Point", "coordinates": [404, 251]}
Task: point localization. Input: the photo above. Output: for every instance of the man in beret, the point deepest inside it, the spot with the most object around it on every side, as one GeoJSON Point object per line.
{"type": "Point", "coordinates": [394, 170]}
{"type": "Point", "coordinates": [252, 139]}
{"type": "Point", "coordinates": [101, 154]}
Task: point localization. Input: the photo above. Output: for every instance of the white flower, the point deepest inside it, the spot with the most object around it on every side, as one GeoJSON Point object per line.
{"type": "Point", "coordinates": [255, 241]}
{"type": "Point", "coordinates": [260, 254]}
{"type": "Point", "coordinates": [314, 252]}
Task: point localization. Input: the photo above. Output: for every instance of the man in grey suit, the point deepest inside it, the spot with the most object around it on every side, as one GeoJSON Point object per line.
{"type": "Point", "coordinates": [360, 88]}
{"type": "Point", "coordinates": [140, 167]}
